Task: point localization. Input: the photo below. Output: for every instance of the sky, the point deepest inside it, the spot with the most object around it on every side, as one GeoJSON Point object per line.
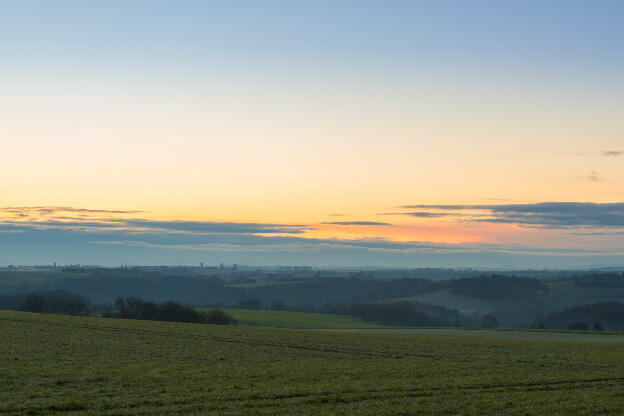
{"type": "Point", "coordinates": [326, 133]}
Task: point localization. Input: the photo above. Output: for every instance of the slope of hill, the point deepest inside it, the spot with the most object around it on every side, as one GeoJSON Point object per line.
{"type": "Point", "coordinates": [515, 312]}
{"type": "Point", "coordinates": [510, 334]}
{"type": "Point", "coordinates": [296, 320]}
{"type": "Point", "coordinates": [53, 364]}
{"type": "Point", "coordinates": [601, 315]}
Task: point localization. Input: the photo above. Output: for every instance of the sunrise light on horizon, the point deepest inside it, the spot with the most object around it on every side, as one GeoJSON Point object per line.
{"type": "Point", "coordinates": [378, 133]}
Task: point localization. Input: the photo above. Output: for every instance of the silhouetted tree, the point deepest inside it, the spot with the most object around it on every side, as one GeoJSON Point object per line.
{"type": "Point", "coordinates": [251, 303]}
{"type": "Point", "coordinates": [54, 301]}
{"type": "Point", "coordinates": [489, 321]}
{"type": "Point", "coordinates": [33, 302]}
{"type": "Point", "coordinates": [406, 313]}
{"type": "Point", "coordinates": [581, 325]}
{"type": "Point", "coordinates": [606, 315]}
{"type": "Point", "coordinates": [218, 317]}
{"type": "Point", "coordinates": [137, 308]}
{"type": "Point", "coordinates": [277, 305]}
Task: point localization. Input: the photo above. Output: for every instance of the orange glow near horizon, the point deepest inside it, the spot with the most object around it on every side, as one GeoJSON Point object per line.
{"type": "Point", "coordinates": [444, 233]}
{"type": "Point", "coordinates": [447, 230]}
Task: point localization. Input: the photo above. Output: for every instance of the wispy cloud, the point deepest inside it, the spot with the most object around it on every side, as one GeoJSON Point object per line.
{"type": "Point", "coordinates": [612, 153]}
{"type": "Point", "coordinates": [356, 223]}
{"type": "Point", "coordinates": [218, 227]}
{"type": "Point", "coordinates": [424, 214]}
{"type": "Point", "coordinates": [52, 217]}
{"type": "Point", "coordinates": [49, 210]}
{"type": "Point", "coordinates": [106, 239]}
{"type": "Point", "coordinates": [590, 177]}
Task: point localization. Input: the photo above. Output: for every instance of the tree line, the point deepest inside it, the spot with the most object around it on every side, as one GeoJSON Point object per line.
{"type": "Point", "coordinates": [602, 280]}
{"type": "Point", "coordinates": [595, 316]}
{"type": "Point", "coordinates": [104, 285]}
{"type": "Point", "coordinates": [406, 313]}
{"type": "Point", "coordinates": [65, 302]}
{"type": "Point", "coordinates": [400, 312]}
{"type": "Point", "coordinates": [137, 308]}
{"type": "Point", "coordinates": [497, 287]}
{"type": "Point", "coordinates": [46, 301]}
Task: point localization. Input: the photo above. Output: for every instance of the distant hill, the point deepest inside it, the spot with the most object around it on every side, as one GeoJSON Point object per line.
{"type": "Point", "coordinates": [601, 315]}
{"type": "Point", "coordinates": [496, 287]}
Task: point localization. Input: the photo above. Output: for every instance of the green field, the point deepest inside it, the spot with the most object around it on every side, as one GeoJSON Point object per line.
{"type": "Point", "coordinates": [520, 334]}
{"type": "Point", "coordinates": [296, 320]}
{"type": "Point", "coordinates": [67, 365]}
{"type": "Point", "coordinates": [345, 323]}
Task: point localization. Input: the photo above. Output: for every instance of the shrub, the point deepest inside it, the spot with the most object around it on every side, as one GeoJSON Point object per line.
{"type": "Point", "coordinates": [218, 317]}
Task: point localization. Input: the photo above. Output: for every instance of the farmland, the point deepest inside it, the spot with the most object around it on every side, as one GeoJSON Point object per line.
{"type": "Point", "coordinates": [511, 334]}
{"type": "Point", "coordinates": [84, 366]}
{"type": "Point", "coordinates": [296, 320]}
{"type": "Point", "coordinates": [344, 323]}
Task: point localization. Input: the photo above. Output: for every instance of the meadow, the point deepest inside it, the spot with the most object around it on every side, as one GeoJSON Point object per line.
{"type": "Point", "coordinates": [498, 333]}
{"type": "Point", "coordinates": [296, 320]}
{"type": "Point", "coordinates": [345, 323]}
{"type": "Point", "coordinates": [52, 364]}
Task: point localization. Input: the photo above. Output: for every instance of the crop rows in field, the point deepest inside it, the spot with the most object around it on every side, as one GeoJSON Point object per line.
{"type": "Point", "coordinates": [297, 320]}
{"type": "Point", "coordinates": [511, 334]}
{"type": "Point", "coordinates": [79, 365]}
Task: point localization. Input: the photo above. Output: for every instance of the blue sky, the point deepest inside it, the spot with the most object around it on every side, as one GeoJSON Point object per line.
{"type": "Point", "coordinates": [330, 125]}
{"type": "Point", "coordinates": [551, 35]}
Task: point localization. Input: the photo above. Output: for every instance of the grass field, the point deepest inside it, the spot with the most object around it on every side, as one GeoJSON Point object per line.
{"type": "Point", "coordinates": [344, 323]}
{"type": "Point", "coordinates": [96, 366]}
{"type": "Point", "coordinates": [296, 320]}
{"type": "Point", "coordinates": [520, 334]}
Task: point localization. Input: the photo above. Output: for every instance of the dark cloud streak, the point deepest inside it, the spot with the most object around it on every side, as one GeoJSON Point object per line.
{"type": "Point", "coordinates": [543, 214]}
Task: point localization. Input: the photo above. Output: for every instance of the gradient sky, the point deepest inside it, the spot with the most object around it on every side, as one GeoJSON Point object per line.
{"type": "Point", "coordinates": [326, 133]}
